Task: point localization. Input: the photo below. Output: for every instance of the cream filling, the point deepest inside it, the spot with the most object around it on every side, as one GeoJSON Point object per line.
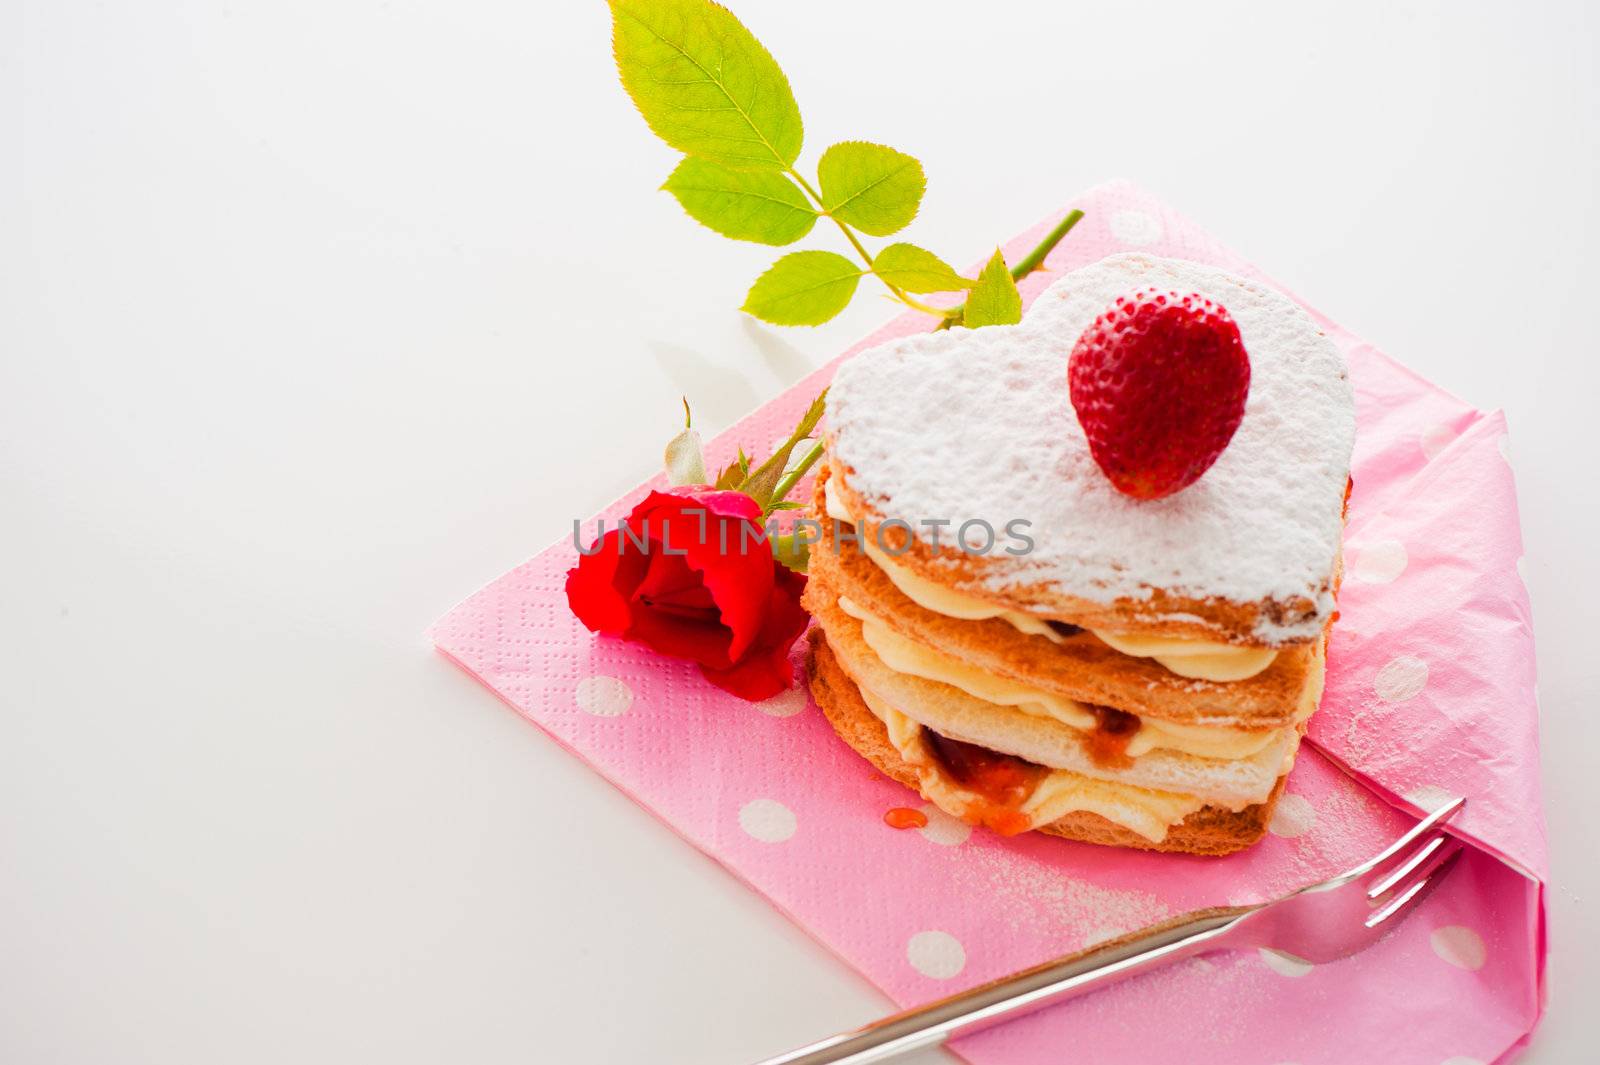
{"type": "Point", "coordinates": [918, 660]}
{"type": "Point", "coordinates": [1059, 793]}
{"type": "Point", "coordinates": [1195, 659]}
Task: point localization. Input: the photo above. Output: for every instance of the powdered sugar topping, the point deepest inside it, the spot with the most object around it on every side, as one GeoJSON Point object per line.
{"type": "Point", "coordinates": [977, 424]}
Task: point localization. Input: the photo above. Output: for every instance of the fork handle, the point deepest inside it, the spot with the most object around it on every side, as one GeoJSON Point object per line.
{"type": "Point", "coordinates": [1013, 996]}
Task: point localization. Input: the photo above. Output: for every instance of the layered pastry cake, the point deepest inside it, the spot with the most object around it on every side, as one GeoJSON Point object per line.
{"type": "Point", "coordinates": [1018, 627]}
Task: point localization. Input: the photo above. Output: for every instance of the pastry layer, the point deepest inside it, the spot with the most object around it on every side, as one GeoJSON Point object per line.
{"type": "Point", "coordinates": [976, 425]}
{"type": "Point", "coordinates": [1209, 830]}
{"type": "Point", "coordinates": [1059, 793]}
{"type": "Point", "coordinates": [1046, 741]}
{"type": "Point", "coordinates": [1078, 666]}
{"type": "Point", "coordinates": [908, 657]}
{"type": "Point", "coordinates": [1195, 659]}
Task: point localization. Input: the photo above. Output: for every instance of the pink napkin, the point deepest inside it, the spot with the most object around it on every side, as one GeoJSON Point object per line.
{"type": "Point", "coordinates": [1430, 695]}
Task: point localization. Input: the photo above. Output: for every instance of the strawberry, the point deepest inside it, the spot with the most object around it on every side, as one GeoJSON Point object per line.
{"type": "Point", "coordinates": [1159, 382]}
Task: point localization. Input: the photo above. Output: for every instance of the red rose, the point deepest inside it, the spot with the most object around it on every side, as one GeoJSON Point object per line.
{"type": "Point", "coordinates": [702, 586]}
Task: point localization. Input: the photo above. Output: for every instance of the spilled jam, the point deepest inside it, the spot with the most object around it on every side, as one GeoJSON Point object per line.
{"type": "Point", "coordinates": [905, 817]}
{"type": "Point", "coordinates": [1113, 731]}
{"type": "Point", "coordinates": [1002, 782]}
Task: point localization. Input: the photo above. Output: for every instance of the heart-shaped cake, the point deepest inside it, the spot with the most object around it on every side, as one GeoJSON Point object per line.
{"type": "Point", "coordinates": [1006, 631]}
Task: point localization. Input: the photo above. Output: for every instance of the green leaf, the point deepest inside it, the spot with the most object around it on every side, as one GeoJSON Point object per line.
{"type": "Point", "coordinates": [873, 188]}
{"type": "Point", "coordinates": [803, 288]}
{"type": "Point", "coordinates": [994, 299]}
{"type": "Point", "coordinates": [704, 84]}
{"type": "Point", "coordinates": [734, 472]}
{"type": "Point", "coordinates": [762, 484]}
{"type": "Point", "coordinates": [759, 205]}
{"type": "Point", "coordinates": [911, 268]}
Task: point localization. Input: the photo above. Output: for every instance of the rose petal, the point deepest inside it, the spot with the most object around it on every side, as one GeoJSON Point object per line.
{"type": "Point", "coordinates": [739, 581]}
{"type": "Point", "coordinates": [673, 586]}
{"type": "Point", "coordinates": [705, 642]}
{"type": "Point", "coordinates": [765, 670]}
{"type": "Point", "coordinates": [599, 586]}
{"type": "Point", "coordinates": [705, 525]}
{"type": "Point", "coordinates": [756, 678]}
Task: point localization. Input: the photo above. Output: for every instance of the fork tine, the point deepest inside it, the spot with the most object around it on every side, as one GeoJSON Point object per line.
{"type": "Point", "coordinates": [1404, 869]}
{"type": "Point", "coordinates": [1434, 869]}
{"type": "Point", "coordinates": [1405, 843]}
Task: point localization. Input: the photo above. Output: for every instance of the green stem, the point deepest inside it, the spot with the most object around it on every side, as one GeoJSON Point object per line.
{"type": "Point", "coordinates": [849, 234]}
{"type": "Point", "coordinates": [786, 483]}
{"type": "Point", "coordinates": [1027, 264]}
{"type": "Point", "coordinates": [925, 308]}
{"type": "Point", "coordinates": [1035, 258]}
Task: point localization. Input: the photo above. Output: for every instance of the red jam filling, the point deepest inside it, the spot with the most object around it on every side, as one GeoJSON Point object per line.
{"type": "Point", "coordinates": [905, 817]}
{"type": "Point", "coordinates": [1002, 782]}
{"type": "Point", "coordinates": [1114, 730]}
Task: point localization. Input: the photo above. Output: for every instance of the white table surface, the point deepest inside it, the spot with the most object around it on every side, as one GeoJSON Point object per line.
{"type": "Point", "coordinates": [316, 316]}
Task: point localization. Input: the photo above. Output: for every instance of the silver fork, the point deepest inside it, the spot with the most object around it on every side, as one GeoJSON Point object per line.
{"type": "Point", "coordinates": [1319, 923]}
